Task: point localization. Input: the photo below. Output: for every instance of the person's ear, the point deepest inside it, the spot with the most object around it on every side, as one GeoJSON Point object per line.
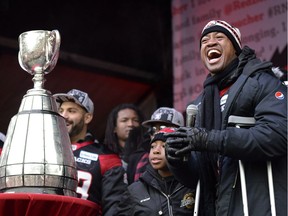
{"type": "Point", "coordinates": [88, 118]}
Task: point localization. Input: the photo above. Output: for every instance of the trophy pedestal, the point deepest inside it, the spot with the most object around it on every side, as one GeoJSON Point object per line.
{"type": "Point", "coordinates": [29, 204]}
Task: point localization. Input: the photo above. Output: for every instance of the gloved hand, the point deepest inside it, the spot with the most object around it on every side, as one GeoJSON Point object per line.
{"type": "Point", "coordinates": [172, 158]}
{"type": "Point", "coordinates": [185, 139]}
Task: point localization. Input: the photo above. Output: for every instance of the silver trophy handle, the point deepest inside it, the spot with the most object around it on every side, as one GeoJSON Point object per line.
{"type": "Point", "coordinates": [52, 51]}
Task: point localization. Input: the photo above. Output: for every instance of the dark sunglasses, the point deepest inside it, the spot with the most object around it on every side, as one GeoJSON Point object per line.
{"type": "Point", "coordinates": [154, 129]}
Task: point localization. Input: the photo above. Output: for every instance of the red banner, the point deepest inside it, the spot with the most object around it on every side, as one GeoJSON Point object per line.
{"type": "Point", "coordinates": [263, 26]}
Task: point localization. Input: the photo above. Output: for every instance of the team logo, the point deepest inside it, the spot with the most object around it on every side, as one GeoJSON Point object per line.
{"type": "Point", "coordinates": [83, 160]}
{"type": "Point", "coordinates": [223, 101]}
{"type": "Point", "coordinates": [145, 199]}
{"type": "Point", "coordinates": [279, 95]}
{"type": "Point", "coordinates": [188, 201]}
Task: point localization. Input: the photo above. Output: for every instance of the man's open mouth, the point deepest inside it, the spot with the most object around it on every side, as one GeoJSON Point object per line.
{"type": "Point", "coordinates": [214, 54]}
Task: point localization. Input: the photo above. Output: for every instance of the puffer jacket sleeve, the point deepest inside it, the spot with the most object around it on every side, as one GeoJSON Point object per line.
{"type": "Point", "coordinates": [187, 172]}
{"type": "Point", "coordinates": [113, 187]}
{"type": "Point", "coordinates": [268, 138]}
{"type": "Point", "coordinates": [125, 206]}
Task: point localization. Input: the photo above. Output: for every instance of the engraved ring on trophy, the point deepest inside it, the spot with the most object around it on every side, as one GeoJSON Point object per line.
{"type": "Point", "coordinates": [37, 155]}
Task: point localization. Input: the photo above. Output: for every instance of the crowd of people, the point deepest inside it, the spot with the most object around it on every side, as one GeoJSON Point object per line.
{"type": "Point", "coordinates": [232, 162]}
{"type": "Point", "coordinates": [106, 171]}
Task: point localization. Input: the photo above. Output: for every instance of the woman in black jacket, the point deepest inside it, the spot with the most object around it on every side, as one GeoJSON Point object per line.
{"type": "Point", "coordinates": [157, 192]}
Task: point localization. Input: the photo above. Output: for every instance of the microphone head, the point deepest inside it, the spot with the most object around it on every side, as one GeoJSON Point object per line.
{"type": "Point", "coordinates": [192, 109]}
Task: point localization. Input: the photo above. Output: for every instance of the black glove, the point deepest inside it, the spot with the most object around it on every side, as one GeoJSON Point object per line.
{"type": "Point", "coordinates": [185, 139]}
{"type": "Point", "coordinates": [172, 158]}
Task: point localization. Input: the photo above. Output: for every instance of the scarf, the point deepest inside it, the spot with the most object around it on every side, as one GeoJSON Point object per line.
{"type": "Point", "coordinates": [211, 118]}
{"type": "Point", "coordinates": [211, 113]}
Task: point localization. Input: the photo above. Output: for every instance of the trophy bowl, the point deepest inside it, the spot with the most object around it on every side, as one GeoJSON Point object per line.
{"type": "Point", "coordinates": [38, 50]}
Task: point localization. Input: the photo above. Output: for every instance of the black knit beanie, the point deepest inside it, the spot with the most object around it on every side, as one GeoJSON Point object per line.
{"type": "Point", "coordinates": [230, 31]}
{"type": "Point", "coordinates": [160, 135]}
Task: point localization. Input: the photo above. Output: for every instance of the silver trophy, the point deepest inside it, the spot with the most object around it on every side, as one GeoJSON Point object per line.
{"type": "Point", "coordinates": [37, 155]}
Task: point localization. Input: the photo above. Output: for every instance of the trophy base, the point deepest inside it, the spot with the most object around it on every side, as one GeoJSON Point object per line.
{"type": "Point", "coordinates": [38, 190]}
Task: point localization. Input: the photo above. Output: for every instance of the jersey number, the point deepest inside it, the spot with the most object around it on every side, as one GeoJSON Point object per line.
{"type": "Point", "coordinates": [84, 183]}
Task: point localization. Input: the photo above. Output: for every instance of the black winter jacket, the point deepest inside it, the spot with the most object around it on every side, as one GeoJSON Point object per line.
{"type": "Point", "coordinates": [256, 93]}
{"type": "Point", "coordinates": [147, 197]}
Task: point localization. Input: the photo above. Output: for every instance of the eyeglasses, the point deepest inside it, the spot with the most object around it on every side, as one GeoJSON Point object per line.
{"type": "Point", "coordinates": [155, 129]}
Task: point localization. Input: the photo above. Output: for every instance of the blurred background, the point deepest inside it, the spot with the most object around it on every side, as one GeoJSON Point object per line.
{"type": "Point", "coordinates": [144, 52]}
{"type": "Point", "coordinates": [116, 51]}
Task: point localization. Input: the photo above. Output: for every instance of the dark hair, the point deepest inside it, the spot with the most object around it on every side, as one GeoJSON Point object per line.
{"type": "Point", "coordinates": [111, 139]}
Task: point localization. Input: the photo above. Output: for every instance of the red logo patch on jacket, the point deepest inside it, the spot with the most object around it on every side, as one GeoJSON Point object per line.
{"type": "Point", "coordinates": [279, 95]}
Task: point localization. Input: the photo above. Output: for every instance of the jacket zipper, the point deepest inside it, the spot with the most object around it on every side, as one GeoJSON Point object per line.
{"type": "Point", "coordinates": [170, 209]}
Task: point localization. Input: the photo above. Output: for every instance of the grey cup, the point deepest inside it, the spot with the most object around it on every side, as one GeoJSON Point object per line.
{"type": "Point", "coordinates": [37, 155]}
{"type": "Point", "coordinates": [38, 51]}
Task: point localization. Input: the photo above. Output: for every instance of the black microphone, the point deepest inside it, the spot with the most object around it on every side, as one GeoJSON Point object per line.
{"type": "Point", "coordinates": [191, 112]}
